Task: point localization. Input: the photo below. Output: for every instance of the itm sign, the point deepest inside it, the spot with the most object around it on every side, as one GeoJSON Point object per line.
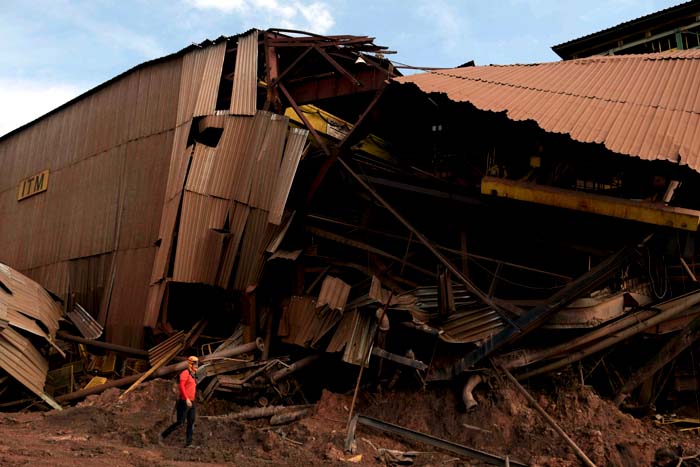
{"type": "Point", "coordinates": [33, 185]}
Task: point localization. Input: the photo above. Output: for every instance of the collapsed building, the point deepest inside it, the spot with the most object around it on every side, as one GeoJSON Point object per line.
{"type": "Point", "coordinates": [293, 192]}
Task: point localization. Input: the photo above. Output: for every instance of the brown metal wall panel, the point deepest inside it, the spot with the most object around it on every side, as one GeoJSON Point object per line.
{"type": "Point", "coordinates": [153, 303]}
{"type": "Point", "coordinates": [646, 106]}
{"type": "Point", "coordinates": [27, 367]}
{"type": "Point", "coordinates": [196, 255]}
{"type": "Point", "coordinates": [245, 77]}
{"type": "Point", "coordinates": [88, 279]}
{"type": "Point", "coordinates": [238, 216]}
{"type": "Point", "coordinates": [267, 165]}
{"type": "Point", "coordinates": [125, 318]}
{"type": "Point", "coordinates": [53, 277]}
{"type": "Point", "coordinates": [252, 256]}
{"type": "Point", "coordinates": [292, 154]}
{"type": "Point", "coordinates": [230, 153]}
{"type": "Point", "coordinates": [190, 83]}
{"type": "Point", "coordinates": [240, 191]}
{"type": "Point", "coordinates": [209, 90]}
{"type": "Point", "coordinates": [200, 169]}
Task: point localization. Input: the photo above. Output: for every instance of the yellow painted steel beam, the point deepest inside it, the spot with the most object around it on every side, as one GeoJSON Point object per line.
{"type": "Point", "coordinates": [336, 128]}
{"type": "Point", "coordinates": [641, 211]}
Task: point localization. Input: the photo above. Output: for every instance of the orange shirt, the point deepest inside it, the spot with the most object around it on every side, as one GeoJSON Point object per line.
{"type": "Point", "coordinates": [187, 385]}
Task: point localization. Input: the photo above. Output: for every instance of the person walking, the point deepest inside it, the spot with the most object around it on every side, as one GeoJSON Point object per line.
{"type": "Point", "coordinates": [185, 407]}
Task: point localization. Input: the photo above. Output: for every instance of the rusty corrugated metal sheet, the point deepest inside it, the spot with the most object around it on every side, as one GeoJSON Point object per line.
{"type": "Point", "coordinates": [334, 293]}
{"type": "Point", "coordinates": [267, 164]}
{"type": "Point", "coordinates": [199, 245]}
{"type": "Point", "coordinates": [243, 173]}
{"type": "Point", "coordinates": [354, 336]}
{"type": "Point", "coordinates": [200, 169]}
{"type": "Point", "coordinates": [88, 279]}
{"type": "Point", "coordinates": [303, 324]}
{"type": "Point", "coordinates": [19, 293]}
{"type": "Point", "coordinates": [245, 77]}
{"type": "Point", "coordinates": [125, 319]}
{"type": "Point", "coordinates": [646, 106]}
{"type": "Point", "coordinates": [86, 324]}
{"type": "Point", "coordinates": [191, 75]}
{"type": "Point", "coordinates": [230, 154]}
{"type": "Point", "coordinates": [166, 347]}
{"type": "Point", "coordinates": [471, 326]}
{"type": "Point", "coordinates": [252, 256]}
{"type": "Point", "coordinates": [209, 89]}
{"type": "Point", "coordinates": [238, 216]}
{"type": "Point", "coordinates": [292, 154]}
{"type": "Point", "coordinates": [22, 361]}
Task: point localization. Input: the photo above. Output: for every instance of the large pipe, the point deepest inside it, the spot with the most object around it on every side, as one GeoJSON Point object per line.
{"type": "Point", "coordinates": [467, 392]}
{"type": "Point", "coordinates": [686, 303]}
{"type": "Point", "coordinates": [226, 353]}
{"type": "Point", "coordinates": [296, 366]}
{"type": "Point", "coordinates": [102, 345]}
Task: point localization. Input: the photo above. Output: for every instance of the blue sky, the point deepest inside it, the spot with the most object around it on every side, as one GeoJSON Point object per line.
{"type": "Point", "coordinates": [53, 50]}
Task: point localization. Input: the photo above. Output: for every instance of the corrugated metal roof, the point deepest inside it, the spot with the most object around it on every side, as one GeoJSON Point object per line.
{"type": "Point", "coordinates": [303, 324]}
{"type": "Point", "coordinates": [632, 22]}
{"type": "Point", "coordinates": [334, 293]}
{"type": "Point", "coordinates": [646, 106]}
{"type": "Point", "coordinates": [292, 154]}
{"type": "Point", "coordinates": [245, 77]}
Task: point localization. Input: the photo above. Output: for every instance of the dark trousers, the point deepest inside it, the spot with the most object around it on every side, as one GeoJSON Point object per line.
{"type": "Point", "coordinates": [183, 413]}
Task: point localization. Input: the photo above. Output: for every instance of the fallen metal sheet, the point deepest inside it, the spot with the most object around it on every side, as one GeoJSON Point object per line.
{"type": "Point", "coordinates": [354, 336]}
{"type": "Point", "coordinates": [292, 154]}
{"type": "Point", "coordinates": [23, 362]}
{"type": "Point", "coordinates": [280, 232]}
{"type": "Point", "coordinates": [21, 294]}
{"type": "Point", "coordinates": [245, 77]}
{"type": "Point", "coordinates": [284, 254]}
{"type": "Point", "coordinates": [303, 324]}
{"type": "Point", "coordinates": [334, 293]}
{"type": "Point", "coordinates": [86, 324]}
{"type": "Point", "coordinates": [439, 443]}
{"type": "Point", "coordinates": [473, 326]}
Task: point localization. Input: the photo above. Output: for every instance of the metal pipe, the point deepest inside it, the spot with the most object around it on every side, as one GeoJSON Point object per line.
{"type": "Point", "coordinates": [226, 353]}
{"type": "Point", "coordinates": [296, 366]}
{"type": "Point", "coordinates": [102, 345]}
{"type": "Point", "coordinates": [689, 301]}
{"type": "Point", "coordinates": [467, 395]}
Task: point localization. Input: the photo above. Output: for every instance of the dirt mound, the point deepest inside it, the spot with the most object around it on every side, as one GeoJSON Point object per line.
{"type": "Point", "coordinates": [123, 432]}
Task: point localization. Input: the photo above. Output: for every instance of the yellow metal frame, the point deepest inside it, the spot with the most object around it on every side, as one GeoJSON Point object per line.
{"type": "Point", "coordinates": [641, 211]}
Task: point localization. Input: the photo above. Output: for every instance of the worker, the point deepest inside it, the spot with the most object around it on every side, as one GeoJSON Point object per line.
{"type": "Point", "coordinates": [185, 408]}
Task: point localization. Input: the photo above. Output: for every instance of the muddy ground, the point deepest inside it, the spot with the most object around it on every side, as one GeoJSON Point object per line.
{"type": "Point", "coordinates": [103, 430]}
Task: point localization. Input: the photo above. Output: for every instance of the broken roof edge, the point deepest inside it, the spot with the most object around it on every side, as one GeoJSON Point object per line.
{"type": "Point", "coordinates": [155, 61]}
{"type": "Point", "coordinates": [627, 24]}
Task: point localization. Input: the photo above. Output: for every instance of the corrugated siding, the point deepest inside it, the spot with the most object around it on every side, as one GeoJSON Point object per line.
{"type": "Point", "coordinates": [200, 172]}
{"type": "Point", "coordinates": [125, 319]}
{"type": "Point", "coordinates": [198, 247]}
{"type": "Point", "coordinates": [245, 78]}
{"type": "Point", "coordinates": [243, 173]}
{"type": "Point", "coordinates": [305, 325]}
{"type": "Point", "coordinates": [88, 279]}
{"type": "Point", "coordinates": [334, 293]}
{"type": "Point", "coordinates": [230, 153]}
{"type": "Point", "coordinates": [209, 89]}
{"type": "Point", "coordinates": [267, 165]}
{"type": "Point", "coordinates": [292, 154]}
{"type": "Point", "coordinates": [22, 361]}
{"type": "Point", "coordinates": [238, 216]}
{"type": "Point", "coordinates": [252, 257]}
{"type": "Point", "coordinates": [28, 298]}
{"type": "Point", "coordinates": [646, 106]}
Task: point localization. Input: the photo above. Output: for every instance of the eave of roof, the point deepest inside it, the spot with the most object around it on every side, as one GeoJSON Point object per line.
{"type": "Point", "coordinates": [645, 106]}
{"type": "Point", "coordinates": [637, 23]}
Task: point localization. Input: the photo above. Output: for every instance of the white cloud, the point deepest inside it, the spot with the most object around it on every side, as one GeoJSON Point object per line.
{"type": "Point", "coordinates": [314, 16]}
{"type": "Point", "coordinates": [24, 100]}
